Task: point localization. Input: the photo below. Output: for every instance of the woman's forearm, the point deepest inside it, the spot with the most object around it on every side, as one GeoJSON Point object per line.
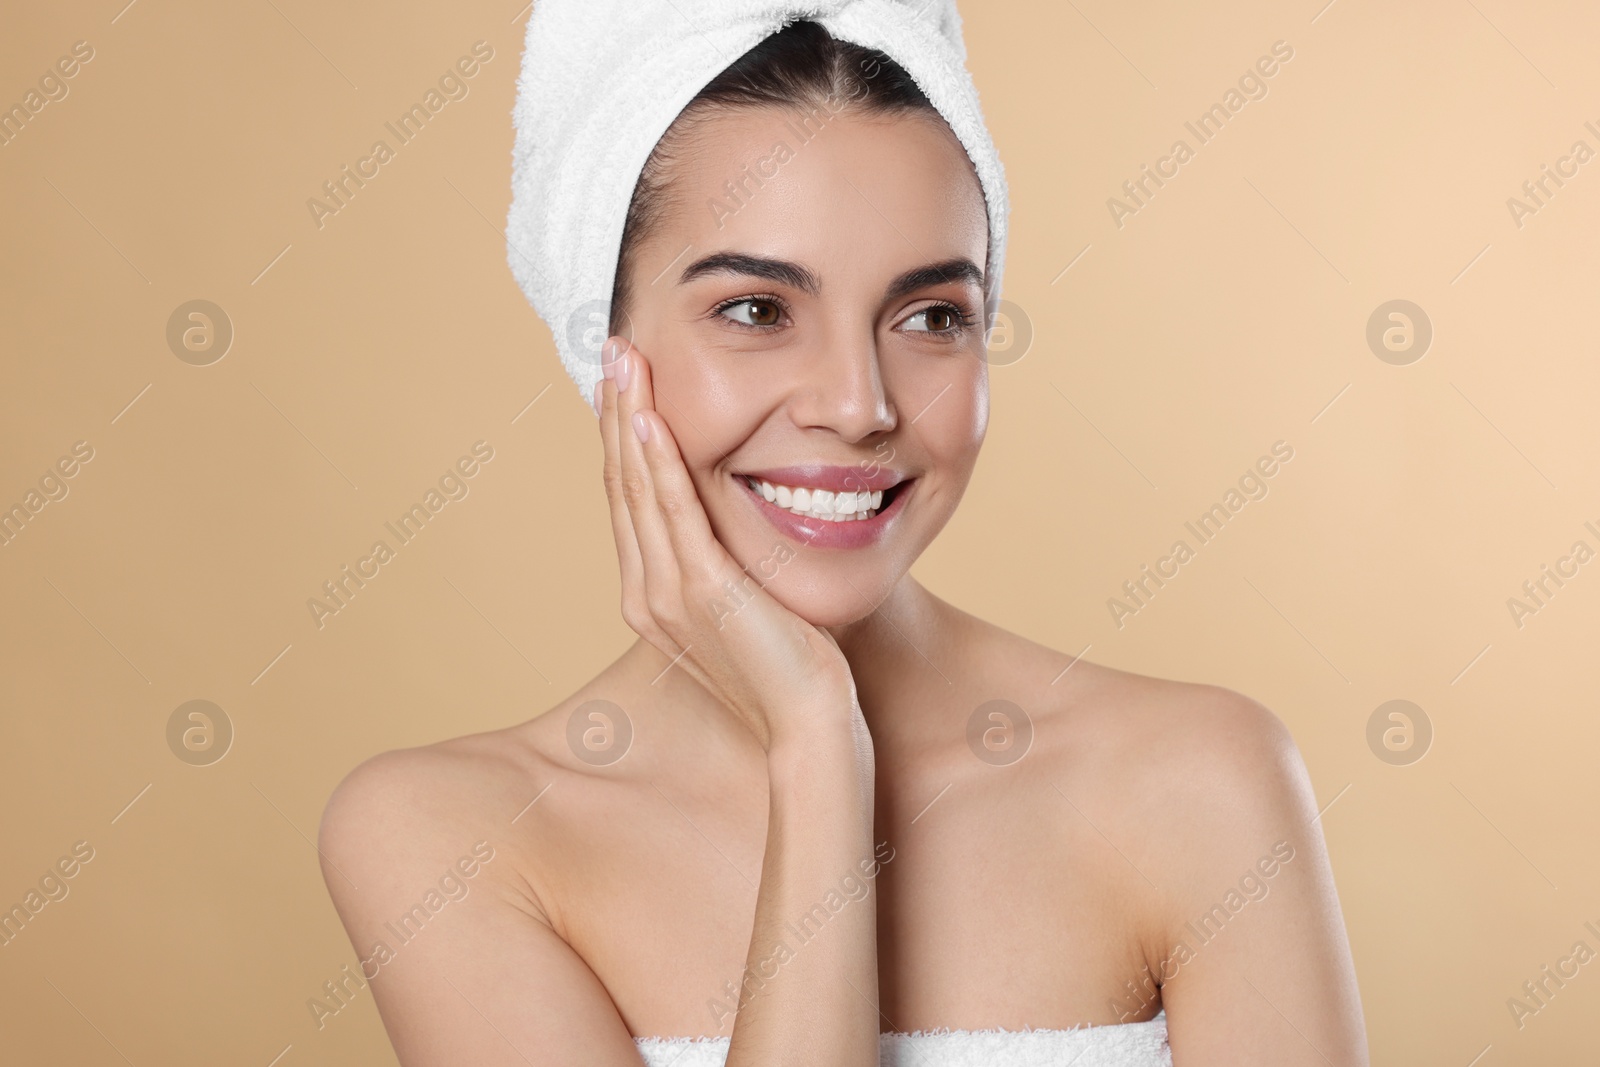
{"type": "Point", "coordinates": [810, 991]}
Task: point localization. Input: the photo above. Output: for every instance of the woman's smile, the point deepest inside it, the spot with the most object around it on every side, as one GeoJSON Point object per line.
{"type": "Point", "coordinates": [827, 506]}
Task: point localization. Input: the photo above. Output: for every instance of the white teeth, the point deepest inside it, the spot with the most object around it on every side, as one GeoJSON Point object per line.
{"type": "Point", "coordinates": [846, 506]}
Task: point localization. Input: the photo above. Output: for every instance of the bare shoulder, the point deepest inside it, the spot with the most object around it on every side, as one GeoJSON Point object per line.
{"type": "Point", "coordinates": [409, 813]}
{"type": "Point", "coordinates": [457, 773]}
{"type": "Point", "coordinates": [1188, 839]}
{"type": "Point", "coordinates": [438, 885]}
{"type": "Point", "coordinates": [1202, 791]}
{"type": "Point", "coordinates": [1199, 770]}
{"type": "Point", "coordinates": [1203, 742]}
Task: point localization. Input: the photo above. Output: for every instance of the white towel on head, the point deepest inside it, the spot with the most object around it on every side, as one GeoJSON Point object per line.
{"type": "Point", "coordinates": [602, 80]}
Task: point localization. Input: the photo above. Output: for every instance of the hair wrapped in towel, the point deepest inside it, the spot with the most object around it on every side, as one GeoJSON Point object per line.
{"type": "Point", "coordinates": [602, 80]}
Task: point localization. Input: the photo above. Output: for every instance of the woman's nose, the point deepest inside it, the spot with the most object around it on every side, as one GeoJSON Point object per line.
{"type": "Point", "coordinates": [842, 389]}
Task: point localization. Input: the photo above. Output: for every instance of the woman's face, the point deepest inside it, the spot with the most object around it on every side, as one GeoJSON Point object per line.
{"type": "Point", "coordinates": [812, 311]}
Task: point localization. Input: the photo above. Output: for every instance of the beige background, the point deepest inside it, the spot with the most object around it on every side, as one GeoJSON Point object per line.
{"type": "Point", "coordinates": [1228, 313]}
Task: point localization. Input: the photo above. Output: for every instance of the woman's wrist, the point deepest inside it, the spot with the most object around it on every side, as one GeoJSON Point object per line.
{"type": "Point", "coordinates": [821, 749]}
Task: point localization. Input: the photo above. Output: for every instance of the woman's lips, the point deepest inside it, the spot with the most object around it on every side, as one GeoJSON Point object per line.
{"type": "Point", "coordinates": [824, 533]}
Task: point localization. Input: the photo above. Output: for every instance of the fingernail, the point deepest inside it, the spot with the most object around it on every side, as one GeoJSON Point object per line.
{"type": "Point", "coordinates": [624, 372]}
{"type": "Point", "coordinates": [641, 426]}
{"type": "Point", "coordinates": [598, 387]}
{"type": "Point", "coordinates": [608, 359]}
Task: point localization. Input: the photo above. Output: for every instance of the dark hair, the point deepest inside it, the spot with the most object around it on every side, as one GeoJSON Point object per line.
{"type": "Point", "coordinates": [803, 68]}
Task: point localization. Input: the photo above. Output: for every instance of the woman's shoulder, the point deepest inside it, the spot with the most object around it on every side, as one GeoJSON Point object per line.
{"type": "Point", "coordinates": [1169, 725]}
{"type": "Point", "coordinates": [438, 779]}
{"type": "Point", "coordinates": [1191, 783]}
{"type": "Point", "coordinates": [1200, 749]}
{"type": "Point", "coordinates": [409, 809]}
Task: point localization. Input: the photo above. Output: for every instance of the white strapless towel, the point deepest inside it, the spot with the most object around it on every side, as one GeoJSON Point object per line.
{"type": "Point", "coordinates": [1117, 1045]}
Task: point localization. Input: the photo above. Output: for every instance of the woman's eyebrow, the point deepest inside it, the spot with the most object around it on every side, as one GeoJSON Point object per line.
{"type": "Point", "coordinates": [796, 276]}
{"type": "Point", "coordinates": [960, 269]}
{"type": "Point", "coordinates": [776, 270]}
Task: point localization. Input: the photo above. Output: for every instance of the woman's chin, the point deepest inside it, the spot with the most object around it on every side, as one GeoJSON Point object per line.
{"type": "Point", "coordinates": [830, 603]}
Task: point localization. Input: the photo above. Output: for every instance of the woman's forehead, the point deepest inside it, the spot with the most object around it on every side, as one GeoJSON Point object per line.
{"type": "Point", "coordinates": [881, 190]}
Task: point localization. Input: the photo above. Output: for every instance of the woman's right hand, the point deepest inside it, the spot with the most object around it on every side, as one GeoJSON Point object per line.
{"type": "Point", "coordinates": [684, 593]}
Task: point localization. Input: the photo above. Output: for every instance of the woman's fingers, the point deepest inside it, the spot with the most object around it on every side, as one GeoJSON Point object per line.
{"type": "Point", "coordinates": [693, 544]}
{"type": "Point", "coordinates": [662, 574]}
{"type": "Point", "coordinates": [629, 561]}
{"type": "Point", "coordinates": [678, 578]}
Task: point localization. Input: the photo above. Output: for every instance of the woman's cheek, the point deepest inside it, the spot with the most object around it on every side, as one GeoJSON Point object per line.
{"type": "Point", "coordinates": [700, 378]}
{"type": "Point", "coordinates": [730, 382]}
{"type": "Point", "coordinates": [977, 408]}
{"type": "Point", "coordinates": [956, 435]}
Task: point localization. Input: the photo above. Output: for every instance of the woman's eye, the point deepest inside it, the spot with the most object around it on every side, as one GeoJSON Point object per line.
{"type": "Point", "coordinates": [754, 312]}
{"type": "Point", "coordinates": [939, 318]}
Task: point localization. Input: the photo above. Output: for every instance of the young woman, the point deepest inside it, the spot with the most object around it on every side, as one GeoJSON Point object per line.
{"type": "Point", "coordinates": [815, 808]}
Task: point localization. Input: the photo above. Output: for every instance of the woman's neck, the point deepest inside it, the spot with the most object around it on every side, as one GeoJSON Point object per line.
{"type": "Point", "coordinates": [905, 658]}
{"type": "Point", "coordinates": [898, 655]}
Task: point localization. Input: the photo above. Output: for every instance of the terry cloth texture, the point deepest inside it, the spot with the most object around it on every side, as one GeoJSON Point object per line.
{"type": "Point", "coordinates": [1119, 1045]}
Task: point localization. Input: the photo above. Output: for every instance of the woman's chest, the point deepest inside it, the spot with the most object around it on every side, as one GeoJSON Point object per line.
{"type": "Point", "coordinates": [988, 916]}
